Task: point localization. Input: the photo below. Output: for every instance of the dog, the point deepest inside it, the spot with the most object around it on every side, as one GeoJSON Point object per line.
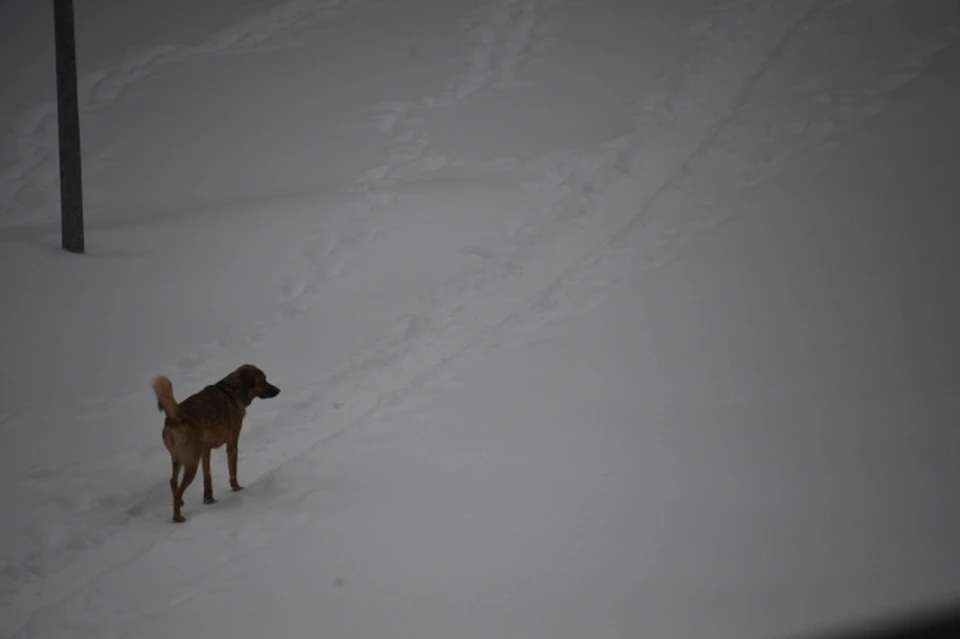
{"type": "Point", "coordinates": [204, 421]}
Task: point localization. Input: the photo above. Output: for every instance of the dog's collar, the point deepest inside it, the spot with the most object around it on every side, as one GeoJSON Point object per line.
{"type": "Point", "coordinates": [230, 390]}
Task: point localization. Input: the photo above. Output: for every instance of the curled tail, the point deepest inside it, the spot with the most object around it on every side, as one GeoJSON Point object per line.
{"type": "Point", "coordinates": [165, 401]}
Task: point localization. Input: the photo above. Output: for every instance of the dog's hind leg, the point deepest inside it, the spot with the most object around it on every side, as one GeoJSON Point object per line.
{"type": "Point", "coordinates": [189, 472]}
{"type": "Point", "coordinates": [232, 454]}
{"type": "Point", "coordinates": [174, 477]}
{"type": "Point", "coordinates": [207, 479]}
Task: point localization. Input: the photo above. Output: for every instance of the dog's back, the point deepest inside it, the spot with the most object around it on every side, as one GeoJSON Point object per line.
{"type": "Point", "coordinates": [213, 412]}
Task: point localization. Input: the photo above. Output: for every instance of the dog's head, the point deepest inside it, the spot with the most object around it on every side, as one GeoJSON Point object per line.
{"type": "Point", "coordinates": [251, 383]}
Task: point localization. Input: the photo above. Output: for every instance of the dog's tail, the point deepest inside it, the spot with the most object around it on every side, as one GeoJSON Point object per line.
{"type": "Point", "coordinates": [165, 401]}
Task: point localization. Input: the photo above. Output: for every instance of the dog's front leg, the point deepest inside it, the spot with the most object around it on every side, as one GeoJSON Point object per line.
{"type": "Point", "coordinates": [232, 454]}
{"type": "Point", "coordinates": [207, 479]}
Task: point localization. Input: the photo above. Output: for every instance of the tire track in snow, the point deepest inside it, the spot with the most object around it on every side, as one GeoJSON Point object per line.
{"type": "Point", "coordinates": [498, 37]}
{"type": "Point", "coordinates": [711, 86]}
{"type": "Point", "coordinates": [29, 189]}
{"type": "Point", "coordinates": [800, 109]}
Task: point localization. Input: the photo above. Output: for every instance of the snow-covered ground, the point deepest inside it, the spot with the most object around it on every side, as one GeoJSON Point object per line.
{"type": "Point", "coordinates": [592, 319]}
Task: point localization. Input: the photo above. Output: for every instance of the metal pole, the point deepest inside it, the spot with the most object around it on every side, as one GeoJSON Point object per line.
{"type": "Point", "coordinates": [68, 118]}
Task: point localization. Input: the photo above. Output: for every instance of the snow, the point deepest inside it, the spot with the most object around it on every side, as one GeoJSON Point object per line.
{"type": "Point", "coordinates": [593, 319]}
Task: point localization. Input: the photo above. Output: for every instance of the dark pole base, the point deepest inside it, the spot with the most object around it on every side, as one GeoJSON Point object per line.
{"type": "Point", "coordinates": [68, 118]}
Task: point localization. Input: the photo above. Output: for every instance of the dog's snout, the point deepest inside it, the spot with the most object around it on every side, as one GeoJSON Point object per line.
{"type": "Point", "coordinates": [272, 391]}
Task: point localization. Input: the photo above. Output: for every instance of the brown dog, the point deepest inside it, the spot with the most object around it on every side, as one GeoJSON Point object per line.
{"type": "Point", "coordinates": [204, 421]}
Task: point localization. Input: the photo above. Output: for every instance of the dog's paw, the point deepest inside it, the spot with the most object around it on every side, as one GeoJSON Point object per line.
{"type": "Point", "coordinates": [236, 487]}
{"type": "Point", "coordinates": [208, 499]}
{"type": "Point", "coordinates": [179, 519]}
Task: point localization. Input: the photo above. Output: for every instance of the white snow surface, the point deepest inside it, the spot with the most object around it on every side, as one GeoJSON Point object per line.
{"type": "Point", "coordinates": [599, 319]}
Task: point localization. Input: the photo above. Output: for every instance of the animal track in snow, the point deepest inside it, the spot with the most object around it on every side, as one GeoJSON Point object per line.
{"type": "Point", "coordinates": [499, 37]}
{"type": "Point", "coordinates": [738, 155]}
